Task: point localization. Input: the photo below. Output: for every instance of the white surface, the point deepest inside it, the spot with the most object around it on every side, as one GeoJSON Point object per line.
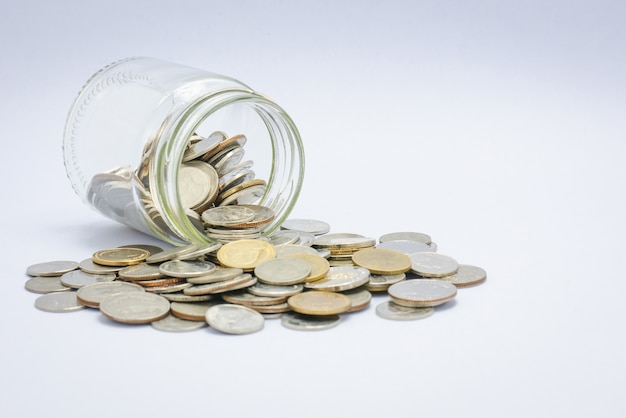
{"type": "Point", "coordinates": [496, 127]}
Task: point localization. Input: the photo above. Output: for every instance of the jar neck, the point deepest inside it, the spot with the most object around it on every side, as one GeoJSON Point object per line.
{"type": "Point", "coordinates": [286, 171]}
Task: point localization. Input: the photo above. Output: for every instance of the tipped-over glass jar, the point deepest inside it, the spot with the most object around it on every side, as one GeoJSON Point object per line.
{"type": "Point", "coordinates": [154, 145]}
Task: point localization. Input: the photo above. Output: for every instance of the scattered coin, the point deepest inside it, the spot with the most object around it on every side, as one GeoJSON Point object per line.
{"type": "Point", "coordinates": [58, 302]}
{"type": "Point", "coordinates": [381, 282]}
{"type": "Point", "coordinates": [51, 268]}
{"type": "Point", "coordinates": [359, 298]}
{"type": "Point", "coordinates": [390, 310]}
{"type": "Point", "coordinates": [120, 256]}
{"type": "Point", "coordinates": [283, 271]}
{"type": "Point", "coordinates": [181, 297]}
{"type": "Point", "coordinates": [288, 249]}
{"type": "Point", "coordinates": [78, 278]}
{"type": "Point", "coordinates": [191, 311]}
{"type": "Point", "coordinates": [466, 276]}
{"type": "Point", "coordinates": [245, 254]}
{"type": "Point", "coordinates": [262, 289]}
{"type": "Point", "coordinates": [340, 279]}
{"type": "Point", "coordinates": [44, 284]}
{"type": "Point", "coordinates": [382, 261]}
{"type": "Point", "coordinates": [173, 324]}
{"type": "Point", "coordinates": [251, 300]}
{"type": "Point", "coordinates": [135, 307]}
{"type": "Point", "coordinates": [245, 280]}
{"type": "Point", "coordinates": [141, 271]}
{"type": "Point", "coordinates": [427, 264]}
{"type": "Point", "coordinates": [171, 253]}
{"type": "Point", "coordinates": [234, 319]}
{"type": "Point", "coordinates": [88, 266]}
{"type": "Point", "coordinates": [420, 293]}
{"type": "Point", "coordinates": [312, 226]}
{"type": "Point", "coordinates": [405, 246]}
{"type": "Point", "coordinates": [411, 236]}
{"type": "Point", "coordinates": [186, 269]}
{"type": "Point", "coordinates": [91, 295]}
{"type": "Point", "coordinates": [319, 303]}
{"type": "Point", "coordinates": [152, 249]}
{"type": "Point", "coordinates": [220, 274]}
{"type": "Point", "coordinates": [300, 322]}
{"type": "Point", "coordinates": [319, 265]}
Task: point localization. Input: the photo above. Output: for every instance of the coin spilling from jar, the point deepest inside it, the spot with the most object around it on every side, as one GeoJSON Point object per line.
{"type": "Point", "coordinates": [303, 274]}
{"type": "Point", "coordinates": [213, 175]}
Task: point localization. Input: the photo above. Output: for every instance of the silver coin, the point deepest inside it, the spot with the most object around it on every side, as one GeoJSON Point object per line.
{"type": "Point", "coordinates": [181, 297]}
{"type": "Point", "coordinates": [141, 271]}
{"type": "Point", "coordinates": [300, 322]}
{"type": "Point", "coordinates": [283, 237]}
{"type": "Point", "coordinates": [411, 236]}
{"type": "Point", "coordinates": [171, 288]}
{"type": "Point", "coordinates": [360, 299]}
{"type": "Point", "coordinates": [405, 246]}
{"type": "Point", "coordinates": [171, 253]}
{"type": "Point", "coordinates": [466, 276]}
{"type": "Point", "coordinates": [242, 297]}
{"type": "Point", "coordinates": [342, 278]}
{"type": "Point", "coordinates": [42, 284]}
{"type": "Point", "coordinates": [198, 184]}
{"type": "Point", "coordinates": [234, 319]}
{"type": "Point", "coordinates": [282, 271]}
{"type": "Point", "coordinates": [262, 289]}
{"type": "Point", "coordinates": [312, 226]}
{"type": "Point", "coordinates": [228, 215]}
{"type": "Point", "coordinates": [220, 274]}
{"type": "Point", "coordinates": [381, 282]}
{"type": "Point", "coordinates": [88, 266]}
{"type": "Point", "coordinates": [245, 280]}
{"type": "Point", "coordinates": [51, 268]}
{"type": "Point", "coordinates": [200, 251]}
{"type": "Point", "coordinates": [58, 302]}
{"type": "Point", "coordinates": [249, 195]}
{"type": "Point", "coordinates": [427, 264]}
{"type": "Point", "coordinates": [92, 294]}
{"type": "Point", "coordinates": [234, 178]}
{"type": "Point", "coordinates": [390, 310]}
{"type": "Point", "coordinates": [173, 324]}
{"type": "Point", "coordinates": [197, 149]}
{"type": "Point", "coordinates": [135, 307]}
{"type": "Point", "coordinates": [343, 240]}
{"type": "Point", "coordinates": [420, 293]}
{"type": "Point", "coordinates": [78, 278]}
{"type": "Point", "coordinates": [186, 268]}
{"type": "Point", "coordinates": [305, 238]}
{"type": "Point", "coordinates": [287, 249]}
{"type": "Point", "coordinates": [225, 162]}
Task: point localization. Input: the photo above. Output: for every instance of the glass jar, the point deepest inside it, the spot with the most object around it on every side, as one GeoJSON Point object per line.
{"type": "Point", "coordinates": [129, 132]}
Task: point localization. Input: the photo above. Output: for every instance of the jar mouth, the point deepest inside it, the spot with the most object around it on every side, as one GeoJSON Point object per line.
{"type": "Point", "coordinates": [284, 166]}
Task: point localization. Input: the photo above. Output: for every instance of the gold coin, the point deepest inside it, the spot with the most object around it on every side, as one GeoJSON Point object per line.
{"type": "Point", "coordinates": [382, 261]}
{"type": "Point", "coordinates": [245, 254]}
{"type": "Point", "coordinates": [319, 303]}
{"type": "Point", "coordinates": [120, 256]}
{"type": "Point", "coordinates": [240, 187]}
{"type": "Point", "coordinates": [319, 265]}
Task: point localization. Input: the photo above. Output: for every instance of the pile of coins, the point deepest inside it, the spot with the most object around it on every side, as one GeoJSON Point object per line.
{"type": "Point", "coordinates": [302, 274]}
{"type": "Point", "coordinates": [212, 174]}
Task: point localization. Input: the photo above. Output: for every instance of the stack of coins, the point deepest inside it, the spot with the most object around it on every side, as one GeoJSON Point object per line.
{"type": "Point", "coordinates": [212, 174]}
{"type": "Point", "coordinates": [287, 274]}
{"type": "Point", "coordinates": [342, 246]}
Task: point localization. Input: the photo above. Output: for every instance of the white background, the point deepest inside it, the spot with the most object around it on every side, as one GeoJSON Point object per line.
{"type": "Point", "coordinates": [496, 127]}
